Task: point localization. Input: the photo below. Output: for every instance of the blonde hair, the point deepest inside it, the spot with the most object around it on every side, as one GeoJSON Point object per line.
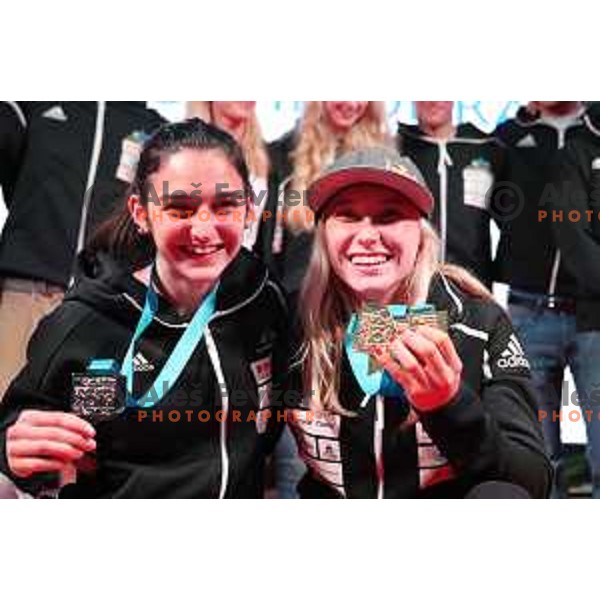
{"type": "Point", "coordinates": [252, 143]}
{"type": "Point", "coordinates": [326, 304]}
{"type": "Point", "coordinates": [318, 145]}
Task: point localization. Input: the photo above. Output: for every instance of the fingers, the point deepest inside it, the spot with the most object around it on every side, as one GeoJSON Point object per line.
{"type": "Point", "coordinates": [65, 436]}
{"type": "Point", "coordinates": [434, 364]}
{"type": "Point", "coordinates": [47, 441]}
{"type": "Point", "coordinates": [402, 364]}
{"type": "Point", "coordinates": [26, 467]}
{"type": "Point", "coordinates": [26, 448]}
{"type": "Point", "coordinates": [44, 418]}
{"type": "Point", "coordinates": [444, 344]}
{"type": "Point", "coordinates": [425, 363]}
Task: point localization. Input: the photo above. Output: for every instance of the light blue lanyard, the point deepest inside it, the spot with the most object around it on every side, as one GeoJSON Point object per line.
{"type": "Point", "coordinates": [179, 357]}
{"type": "Point", "coordinates": [378, 382]}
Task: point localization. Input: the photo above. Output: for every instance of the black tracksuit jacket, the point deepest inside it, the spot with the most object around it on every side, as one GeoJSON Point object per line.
{"type": "Point", "coordinates": [238, 367]}
{"type": "Point", "coordinates": [577, 200]}
{"type": "Point", "coordinates": [489, 431]}
{"type": "Point", "coordinates": [529, 257]}
{"type": "Point", "coordinates": [460, 172]}
{"type": "Point", "coordinates": [51, 154]}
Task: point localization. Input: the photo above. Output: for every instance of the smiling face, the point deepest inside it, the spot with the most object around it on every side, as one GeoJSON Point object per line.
{"type": "Point", "coordinates": [342, 116]}
{"type": "Point", "coordinates": [372, 237]}
{"type": "Point", "coordinates": [198, 227]}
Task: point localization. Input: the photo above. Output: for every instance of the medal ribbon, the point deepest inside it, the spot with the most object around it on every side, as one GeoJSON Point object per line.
{"type": "Point", "coordinates": [181, 353]}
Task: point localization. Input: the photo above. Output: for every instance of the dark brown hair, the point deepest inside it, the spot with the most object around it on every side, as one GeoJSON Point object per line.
{"type": "Point", "coordinates": [118, 236]}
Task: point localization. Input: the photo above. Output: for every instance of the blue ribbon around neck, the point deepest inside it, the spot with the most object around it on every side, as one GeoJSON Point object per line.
{"type": "Point", "coordinates": [181, 354]}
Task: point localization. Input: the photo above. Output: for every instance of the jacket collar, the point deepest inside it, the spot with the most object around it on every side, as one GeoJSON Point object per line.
{"type": "Point", "coordinates": [465, 133]}
{"type": "Point", "coordinates": [446, 296]}
{"type": "Point", "coordinates": [105, 283]}
{"type": "Point", "coordinates": [241, 282]}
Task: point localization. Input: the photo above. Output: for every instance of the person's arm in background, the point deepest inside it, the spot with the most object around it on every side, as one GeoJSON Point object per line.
{"type": "Point", "coordinates": [13, 129]}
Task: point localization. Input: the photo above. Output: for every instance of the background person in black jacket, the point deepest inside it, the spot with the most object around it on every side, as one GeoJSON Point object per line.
{"type": "Point", "coordinates": [545, 295]}
{"type": "Point", "coordinates": [187, 429]}
{"type": "Point", "coordinates": [449, 412]}
{"type": "Point", "coordinates": [64, 168]}
{"type": "Point", "coordinates": [573, 209]}
{"type": "Point", "coordinates": [460, 164]}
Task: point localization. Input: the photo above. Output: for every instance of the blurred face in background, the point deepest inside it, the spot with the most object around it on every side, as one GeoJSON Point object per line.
{"type": "Point", "coordinates": [343, 115]}
{"type": "Point", "coordinates": [556, 107]}
{"type": "Point", "coordinates": [233, 110]}
{"type": "Point", "coordinates": [434, 114]}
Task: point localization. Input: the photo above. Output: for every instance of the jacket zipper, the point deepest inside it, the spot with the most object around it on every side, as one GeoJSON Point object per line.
{"type": "Point", "coordinates": [213, 355]}
{"type": "Point", "coordinates": [444, 161]}
{"type": "Point", "coordinates": [562, 134]}
{"type": "Point", "coordinates": [279, 228]}
{"type": "Point", "coordinates": [91, 178]}
{"type": "Point", "coordinates": [378, 445]}
{"type": "Point", "coordinates": [216, 363]}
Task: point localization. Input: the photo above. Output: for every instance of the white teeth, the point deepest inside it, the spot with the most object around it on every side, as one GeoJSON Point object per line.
{"type": "Point", "coordinates": [203, 251]}
{"type": "Point", "coordinates": [364, 260]}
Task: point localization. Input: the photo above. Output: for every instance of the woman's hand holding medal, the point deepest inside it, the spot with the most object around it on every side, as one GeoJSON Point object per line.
{"type": "Point", "coordinates": [415, 350]}
{"type": "Point", "coordinates": [425, 363]}
{"type": "Point", "coordinates": [48, 442]}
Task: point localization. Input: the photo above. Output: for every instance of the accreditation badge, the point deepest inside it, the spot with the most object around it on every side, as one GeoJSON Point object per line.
{"type": "Point", "coordinates": [477, 181]}
{"type": "Point", "coordinates": [131, 150]}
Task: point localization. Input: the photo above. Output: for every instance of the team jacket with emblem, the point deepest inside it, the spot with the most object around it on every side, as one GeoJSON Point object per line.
{"type": "Point", "coordinates": [51, 153]}
{"type": "Point", "coordinates": [577, 234]}
{"type": "Point", "coordinates": [209, 435]}
{"type": "Point", "coordinates": [459, 172]}
{"type": "Point", "coordinates": [489, 431]}
{"type": "Point", "coordinates": [529, 257]}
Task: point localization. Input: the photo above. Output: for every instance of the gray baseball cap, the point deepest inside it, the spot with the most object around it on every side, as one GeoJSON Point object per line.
{"type": "Point", "coordinates": [378, 165]}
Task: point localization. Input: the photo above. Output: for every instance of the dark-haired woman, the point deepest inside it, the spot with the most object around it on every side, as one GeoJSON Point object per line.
{"type": "Point", "coordinates": [193, 338]}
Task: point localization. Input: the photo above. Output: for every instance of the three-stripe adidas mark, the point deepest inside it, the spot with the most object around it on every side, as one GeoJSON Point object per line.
{"type": "Point", "coordinates": [514, 355]}
{"type": "Point", "coordinates": [141, 363]}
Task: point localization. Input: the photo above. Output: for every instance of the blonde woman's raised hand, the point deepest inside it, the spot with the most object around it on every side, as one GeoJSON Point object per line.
{"type": "Point", "coordinates": [424, 362]}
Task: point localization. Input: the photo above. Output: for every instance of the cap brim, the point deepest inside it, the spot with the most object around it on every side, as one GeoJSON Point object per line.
{"type": "Point", "coordinates": [328, 186]}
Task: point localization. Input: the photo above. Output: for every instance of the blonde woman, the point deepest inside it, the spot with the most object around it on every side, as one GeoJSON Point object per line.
{"type": "Point", "coordinates": [238, 118]}
{"type": "Point", "coordinates": [325, 131]}
{"type": "Point", "coordinates": [439, 414]}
